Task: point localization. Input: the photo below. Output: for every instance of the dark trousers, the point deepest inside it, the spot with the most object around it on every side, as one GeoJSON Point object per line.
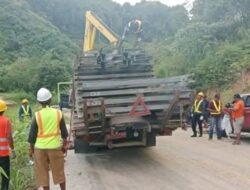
{"type": "Point", "coordinates": [215, 124]}
{"type": "Point", "coordinates": [196, 120]}
{"type": "Point", "coordinates": [5, 165]}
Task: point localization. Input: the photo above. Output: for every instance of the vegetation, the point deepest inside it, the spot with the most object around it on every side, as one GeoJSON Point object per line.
{"type": "Point", "coordinates": [31, 46]}
{"type": "Point", "coordinates": [39, 39]}
{"type": "Point", "coordinates": [22, 175]}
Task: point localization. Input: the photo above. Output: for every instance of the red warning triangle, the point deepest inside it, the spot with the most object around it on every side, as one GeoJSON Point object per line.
{"type": "Point", "coordinates": [137, 105]}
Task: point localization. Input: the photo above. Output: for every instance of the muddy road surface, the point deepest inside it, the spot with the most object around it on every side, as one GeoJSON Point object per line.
{"type": "Point", "coordinates": [176, 163]}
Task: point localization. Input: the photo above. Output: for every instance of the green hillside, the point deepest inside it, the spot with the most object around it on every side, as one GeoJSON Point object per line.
{"type": "Point", "coordinates": [30, 47]}
{"type": "Point", "coordinates": [39, 39]}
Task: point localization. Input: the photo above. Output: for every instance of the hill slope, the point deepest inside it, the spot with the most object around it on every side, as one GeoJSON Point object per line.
{"type": "Point", "coordinates": [28, 43]}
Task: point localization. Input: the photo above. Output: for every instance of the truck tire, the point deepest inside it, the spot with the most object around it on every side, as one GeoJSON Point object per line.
{"type": "Point", "coordinates": [83, 147]}
{"type": "Point", "coordinates": [151, 139]}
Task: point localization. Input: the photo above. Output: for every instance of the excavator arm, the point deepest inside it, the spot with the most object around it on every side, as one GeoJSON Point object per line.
{"type": "Point", "coordinates": [93, 23]}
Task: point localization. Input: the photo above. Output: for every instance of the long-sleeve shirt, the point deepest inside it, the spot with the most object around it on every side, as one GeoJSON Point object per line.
{"type": "Point", "coordinates": [34, 130]}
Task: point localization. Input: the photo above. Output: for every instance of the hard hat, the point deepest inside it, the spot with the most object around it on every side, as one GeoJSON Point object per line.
{"type": "Point", "coordinates": [3, 106]}
{"type": "Point", "coordinates": [43, 95]}
{"type": "Point", "coordinates": [201, 94]}
{"type": "Point", "coordinates": [25, 101]}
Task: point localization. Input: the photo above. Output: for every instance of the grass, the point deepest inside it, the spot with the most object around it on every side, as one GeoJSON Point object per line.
{"type": "Point", "coordinates": [22, 175]}
{"type": "Point", "coordinates": [18, 96]}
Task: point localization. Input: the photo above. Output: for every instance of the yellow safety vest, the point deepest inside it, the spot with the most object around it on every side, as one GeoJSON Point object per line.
{"type": "Point", "coordinates": [49, 134]}
{"type": "Point", "coordinates": [217, 108]}
{"type": "Point", "coordinates": [197, 106]}
{"type": "Point", "coordinates": [26, 111]}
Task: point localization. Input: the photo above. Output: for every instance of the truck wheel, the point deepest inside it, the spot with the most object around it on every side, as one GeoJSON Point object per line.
{"type": "Point", "coordinates": [151, 139]}
{"type": "Point", "coordinates": [83, 147]}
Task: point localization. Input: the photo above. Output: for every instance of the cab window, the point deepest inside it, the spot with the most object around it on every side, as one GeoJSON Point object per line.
{"type": "Point", "coordinates": [247, 101]}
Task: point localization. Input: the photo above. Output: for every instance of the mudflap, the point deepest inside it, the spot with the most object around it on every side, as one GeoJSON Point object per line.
{"type": "Point", "coordinates": [83, 147]}
{"type": "Point", "coordinates": [151, 139]}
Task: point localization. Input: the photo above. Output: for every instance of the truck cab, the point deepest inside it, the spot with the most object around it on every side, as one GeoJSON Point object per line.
{"type": "Point", "coordinates": [246, 124]}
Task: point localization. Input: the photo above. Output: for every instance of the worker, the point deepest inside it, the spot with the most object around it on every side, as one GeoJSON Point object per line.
{"type": "Point", "coordinates": [237, 117]}
{"type": "Point", "coordinates": [215, 110]}
{"type": "Point", "coordinates": [134, 26]}
{"type": "Point", "coordinates": [6, 142]}
{"type": "Point", "coordinates": [198, 114]}
{"type": "Point", "coordinates": [206, 114]}
{"type": "Point", "coordinates": [25, 112]}
{"type": "Point", "coordinates": [46, 147]}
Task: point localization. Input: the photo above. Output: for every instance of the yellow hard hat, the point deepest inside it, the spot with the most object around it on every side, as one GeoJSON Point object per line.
{"type": "Point", "coordinates": [25, 101]}
{"type": "Point", "coordinates": [3, 106]}
{"type": "Point", "coordinates": [201, 94]}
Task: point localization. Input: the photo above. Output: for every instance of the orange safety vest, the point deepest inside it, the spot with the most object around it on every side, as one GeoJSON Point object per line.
{"type": "Point", "coordinates": [4, 137]}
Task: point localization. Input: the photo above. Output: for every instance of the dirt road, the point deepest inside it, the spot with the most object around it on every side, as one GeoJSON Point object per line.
{"type": "Point", "coordinates": [176, 163]}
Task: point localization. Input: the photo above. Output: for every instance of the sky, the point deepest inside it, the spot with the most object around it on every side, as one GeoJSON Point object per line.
{"type": "Point", "coordinates": [167, 2]}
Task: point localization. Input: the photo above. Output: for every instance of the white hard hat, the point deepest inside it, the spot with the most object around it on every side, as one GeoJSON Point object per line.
{"type": "Point", "coordinates": [43, 95]}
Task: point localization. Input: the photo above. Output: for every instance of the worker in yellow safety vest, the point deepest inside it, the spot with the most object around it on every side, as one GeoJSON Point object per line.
{"type": "Point", "coordinates": [215, 109]}
{"type": "Point", "coordinates": [48, 142]}
{"type": "Point", "coordinates": [25, 112]}
{"type": "Point", "coordinates": [198, 114]}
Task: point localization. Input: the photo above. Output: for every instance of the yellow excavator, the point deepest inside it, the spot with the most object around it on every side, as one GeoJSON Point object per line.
{"type": "Point", "coordinates": [94, 23]}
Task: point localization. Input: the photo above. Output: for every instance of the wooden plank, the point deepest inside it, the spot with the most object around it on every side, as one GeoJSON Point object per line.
{"type": "Point", "coordinates": [128, 108]}
{"type": "Point", "coordinates": [130, 100]}
{"type": "Point", "coordinates": [98, 70]}
{"type": "Point", "coordinates": [115, 64]}
{"type": "Point", "coordinates": [114, 70]}
{"type": "Point", "coordinates": [113, 87]}
{"type": "Point", "coordinates": [134, 83]}
{"type": "Point", "coordinates": [113, 93]}
{"type": "Point", "coordinates": [114, 76]}
{"type": "Point", "coordinates": [124, 92]}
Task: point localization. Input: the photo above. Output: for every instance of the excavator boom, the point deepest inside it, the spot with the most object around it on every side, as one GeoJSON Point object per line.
{"type": "Point", "coordinates": [94, 23]}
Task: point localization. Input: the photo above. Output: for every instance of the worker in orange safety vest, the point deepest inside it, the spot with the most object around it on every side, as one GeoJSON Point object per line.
{"type": "Point", "coordinates": [6, 143]}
